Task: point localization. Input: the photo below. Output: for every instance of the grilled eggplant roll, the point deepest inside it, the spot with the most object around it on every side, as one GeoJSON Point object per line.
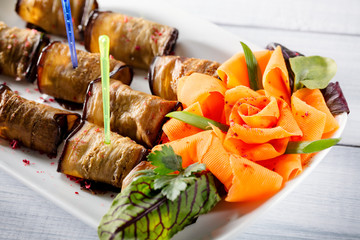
{"type": "Point", "coordinates": [57, 77]}
{"type": "Point", "coordinates": [85, 155]}
{"type": "Point", "coordinates": [165, 71]}
{"type": "Point", "coordinates": [19, 51]}
{"type": "Point", "coordinates": [37, 126]}
{"type": "Point", "coordinates": [132, 113]}
{"type": "Point", "coordinates": [132, 40]}
{"type": "Point", "coordinates": [47, 15]}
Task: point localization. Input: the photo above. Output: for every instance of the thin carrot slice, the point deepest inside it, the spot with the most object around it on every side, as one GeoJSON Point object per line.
{"type": "Point", "coordinates": [286, 126]}
{"type": "Point", "coordinates": [204, 147]}
{"type": "Point", "coordinates": [310, 120]}
{"type": "Point", "coordinates": [258, 112]}
{"type": "Point", "coordinates": [287, 165]}
{"type": "Point", "coordinates": [176, 129]}
{"type": "Point", "coordinates": [251, 181]}
{"type": "Point", "coordinates": [314, 98]}
{"type": "Point", "coordinates": [234, 94]}
{"type": "Point", "coordinates": [197, 87]}
{"type": "Point", "coordinates": [234, 71]}
{"type": "Point", "coordinates": [276, 79]}
{"type": "Point", "coordinates": [256, 152]}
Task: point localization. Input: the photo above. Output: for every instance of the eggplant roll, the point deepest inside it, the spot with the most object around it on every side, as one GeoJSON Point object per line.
{"type": "Point", "coordinates": [57, 77]}
{"type": "Point", "coordinates": [85, 155]}
{"type": "Point", "coordinates": [19, 51]}
{"type": "Point", "coordinates": [35, 125]}
{"type": "Point", "coordinates": [47, 15]}
{"type": "Point", "coordinates": [132, 40]}
{"type": "Point", "coordinates": [165, 71]}
{"type": "Point", "coordinates": [132, 113]}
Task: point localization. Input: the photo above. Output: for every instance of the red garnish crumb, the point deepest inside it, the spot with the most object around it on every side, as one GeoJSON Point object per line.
{"type": "Point", "coordinates": [15, 144]}
{"type": "Point", "coordinates": [16, 92]}
{"type": "Point", "coordinates": [76, 192]}
{"type": "Point", "coordinates": [27, 90]}
{"type": "Point", "coordinates": [137, 47]}
{"type": "Point", "coordinates": [87, 185]}
{"type": "Point", "coordinates": [52, 163]}
{"type": "Point", "coordinates": [26, 162]}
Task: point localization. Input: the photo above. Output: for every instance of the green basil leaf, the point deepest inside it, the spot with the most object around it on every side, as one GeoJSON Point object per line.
{"type": "Point", "coordinates": [310, 146]}
{"type": "Point", "coordinates": [165, 160]}
{"type": "Point", "coordinates": [254, 72]}
{"type": "Point", "coordinates": [313, 71]}
{"type": "Point", "coordinates": [141, 212]}
{"type": "Point", "coordinates": [196, 120]}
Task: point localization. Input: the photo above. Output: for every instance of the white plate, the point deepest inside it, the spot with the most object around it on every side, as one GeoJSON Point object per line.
{"type": "Point", "coordinates": [197, 38]}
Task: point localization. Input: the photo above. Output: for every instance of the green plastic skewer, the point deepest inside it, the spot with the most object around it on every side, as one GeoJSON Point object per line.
{"type": "Point", "coordinates": [104, 63]}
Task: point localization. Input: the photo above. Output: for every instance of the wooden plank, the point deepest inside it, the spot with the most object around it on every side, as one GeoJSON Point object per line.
{"type": "Point", "coordinates": [340, 17]}
{"type": "Point", "coordinates": [24, 214]}
{"type": "Point", "coordinates": [343, 49]}
{"type": "Point", "coordinates": [324, 206]}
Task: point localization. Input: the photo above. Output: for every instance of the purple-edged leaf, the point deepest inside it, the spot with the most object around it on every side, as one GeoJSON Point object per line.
{"type": "Point", "coordinates": [141, 212]}
{"type": "Point", "coordinates": [335, 99]}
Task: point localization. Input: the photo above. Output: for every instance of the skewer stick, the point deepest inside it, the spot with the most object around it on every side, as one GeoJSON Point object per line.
{"type": "Point", "coordinates": [104, 63]}
{"type": "Point", "coordinates": [70, 31]}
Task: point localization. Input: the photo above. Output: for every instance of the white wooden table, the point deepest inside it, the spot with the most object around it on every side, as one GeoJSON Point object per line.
{"type": "Point", "coordinates": [326, 205]}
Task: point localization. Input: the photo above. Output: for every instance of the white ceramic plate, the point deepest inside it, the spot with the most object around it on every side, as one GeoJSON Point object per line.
{"type": "Point", "coordinates": [197, 38]}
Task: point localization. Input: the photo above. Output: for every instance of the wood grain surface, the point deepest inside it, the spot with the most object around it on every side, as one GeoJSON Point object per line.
{"type": "Point", "coordinates": [326, 205]}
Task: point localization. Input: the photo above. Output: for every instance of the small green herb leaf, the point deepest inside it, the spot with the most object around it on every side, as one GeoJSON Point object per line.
{"type": "Point", "coordinates": [313, 71]}
{"type": "Point", "coordinates": [310, 146]}
{"type": "Point", "coordinates": [172, 187]}
{"type": "Point", "coordinates": [165, 160]}
{"type": "Point", "coordinates": [254, 72]}
{"type": "Point", "coordinates": [196, 120]}
{"type": "Point", "coordinates": [193, 168]}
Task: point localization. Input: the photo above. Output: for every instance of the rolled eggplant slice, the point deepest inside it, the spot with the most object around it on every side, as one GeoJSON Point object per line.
{"type": "Point", "coordinates": [132, 40]}
{"type": "Point", "coordinates": [19, 51]}
{"type": "Point", "coordinates": [132, 113]}
{"type": "Point", "coordinates": [47, 15]}
{"type": "Point", "coordinates": [37, 126]}
{"type": "Point", "coordinates": [165, 71]}
{"type": "Point", "coordinates": [85, 155]}
{"type": "Point", "coordinates": [57, 77]}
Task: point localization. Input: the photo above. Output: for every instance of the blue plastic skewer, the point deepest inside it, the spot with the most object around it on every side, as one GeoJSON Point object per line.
{"type": "Point", "coordinates": [70, 31]}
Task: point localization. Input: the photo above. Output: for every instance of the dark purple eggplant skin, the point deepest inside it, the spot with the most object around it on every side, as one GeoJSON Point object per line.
{"type": "Point", "coordinates": [116, 73]}
{"type": "Point", "coordinates": [335, 99]}
{"type": "Point", "coordinates": [60, 120]}
{"type": "Point", "coordinates": [84, 17]}
{"type": "Point", "coordinates": [89, 26]}
{"type": "Point", "coordinates": [167, 49]}
{"type": "Point", "coordinates": [170, 45]}
{"type": "Point", "coordinates": [32, 69]}
{"type": "Point", "coordinates": [33, 56]}
{"type": "Point", "coordinates": [151, 73]}
{"type": "Point", "coordinates": [178, 106]}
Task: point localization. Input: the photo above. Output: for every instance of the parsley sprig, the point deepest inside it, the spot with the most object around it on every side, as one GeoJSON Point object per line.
{"type": "Point", "coordinates": [171, 177]}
